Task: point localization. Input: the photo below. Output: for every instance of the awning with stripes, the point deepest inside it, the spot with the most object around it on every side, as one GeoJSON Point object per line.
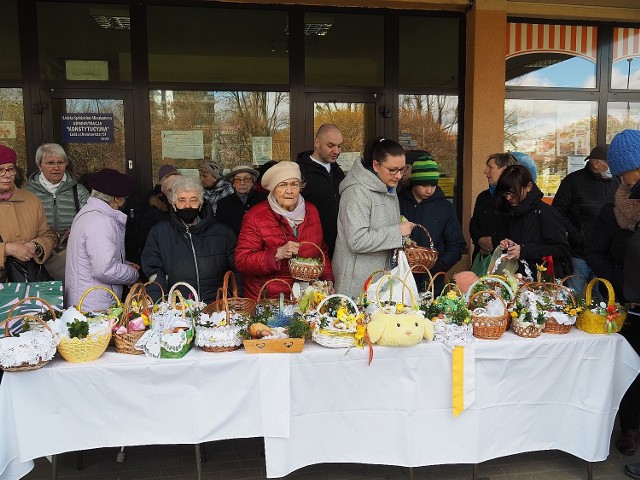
{"type": "Point", "coordinates": [580, 40]}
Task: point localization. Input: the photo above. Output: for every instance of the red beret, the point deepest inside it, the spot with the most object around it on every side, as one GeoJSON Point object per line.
{"type": "Point", "coordinates": [7, 155]}
{"type": "Point", "coordinates": [112, 182]}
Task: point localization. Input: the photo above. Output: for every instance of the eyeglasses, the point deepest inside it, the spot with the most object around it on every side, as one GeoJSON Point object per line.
{"type": "Point", "coordinates": [7, 171]}
{"type": "Point", "coordinates": [242, 179]}
{"type": "Point", "coordinates": [286, 185]}
{"type": "Point", "coordinates": [394, 171]}
{"type": "Point", "coordinates": [510, 193]}
{"type": "Point", "coordinates": [54, 164]}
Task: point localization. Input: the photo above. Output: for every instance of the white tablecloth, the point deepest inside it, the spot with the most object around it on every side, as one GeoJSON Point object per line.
{"type": "Point", "coordinates": [554, 392]}
{"type": "Point", "coordinates": [325, 405]}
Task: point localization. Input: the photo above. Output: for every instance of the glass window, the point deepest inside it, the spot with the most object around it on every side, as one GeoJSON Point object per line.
{"type": "Point", "coordinates": [625, 70]}
{"type": "Point", "coordinates": [555, 133]}
{"type": "Point", "coordinates": [540, 55]}
{"type": "Point", "coordinates": [329, 63]}
{"type": "Point", "coordinates": [218, 45]}
{"type": "Point", "coordinates": [430, 122]}
{"type": "Point", "coordinates": [84, 41]}
{"type": "Point", "coordinates": [622, 116]}
{"type": "Point", "coordinates": [231, 128]}
{"type": "Point", "coordinates": [10, 51]}
{"type": "Point", "coordinates": [12, 122]}
{"type": "Point", "coordinates": [418, 54]}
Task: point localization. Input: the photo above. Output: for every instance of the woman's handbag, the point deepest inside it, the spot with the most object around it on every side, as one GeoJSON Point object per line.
{"type": "Point", "coordinates": [25, 271]}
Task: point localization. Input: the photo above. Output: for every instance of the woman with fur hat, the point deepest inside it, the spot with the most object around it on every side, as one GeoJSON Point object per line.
{"type": "Point", "coordinates": [369, 225]}
{"type": "Point", "coordinates": [95, 250]}
{"type": "Point", "coordinates": [274, 231]}
{"type": "Point", "coordinates": [425, 204]}
{"type": "Point", "coordinates": [605, 251]}
{"type": "Point", "coordinates": [22, 219]}
{"type": "Point", "coordinates": [215, 186]}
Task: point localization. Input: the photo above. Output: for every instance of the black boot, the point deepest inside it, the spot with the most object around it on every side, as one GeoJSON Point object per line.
{"type": "Point", "coordinates": [627, 443]}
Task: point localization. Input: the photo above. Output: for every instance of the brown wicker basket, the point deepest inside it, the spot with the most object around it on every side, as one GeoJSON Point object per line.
{"type": "Point", "coordinates": [530, 331]}
{"type": "Point", "coordinates": [421, 259]}
{"type": "Point", "coordinates": [275, 302]}
{"type": "Point", "coordinates": [126, 342]}
{"type": "Point", "coordinates": [553, 290]}
{"type": "Point", "coordinates": [488, 328]}
{"type": "Point", "coordinates": [223, 302]}
{"type": "Point", "coordinates": [27, 366]}
{"type": "Point", "coordinates": [306, 272]}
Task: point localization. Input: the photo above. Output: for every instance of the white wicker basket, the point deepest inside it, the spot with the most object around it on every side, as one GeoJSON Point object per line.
{"type": "Point", "coordinates": [333, 337]}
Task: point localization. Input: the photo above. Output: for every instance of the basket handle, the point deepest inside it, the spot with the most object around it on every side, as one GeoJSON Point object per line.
{"type": "Point", "coordinates": [171, 293]}
{"type": "Point", "coordinates": [137, 293]}
{"type": "Point", "coordinates": [405, 287]}
{"type": "Point", "coordinates": [487, 279]}
{"type": "Point", "coordinates": [98, 287]}
{"type": "Point", "coordinates": [339, 295]}
{"type": "Point", "coordinates": [491, 293]}
{"type": "Point", "coordinates": [162, 295]}
{"type": "Point", "coordinates": [424, 229]}
{"type": "Point", "coordinates": [610, 292]}
{"type": "Point", "coordinates": [429, 285]}
{"type": "Point", "coordinates": [452, 286]}
{"type": "Point", "coordinates": [30, 315]}
{"type": "Point", "coordinates": [7, 332]}
{"type": "Point", "coordinates": [432, 284]}
{"type": "Point", "coordinates": [266, 290]}
{"type": "Point", "coordinates": [319, 249]}
{"type": "Point", "coordinates": [230, 276]}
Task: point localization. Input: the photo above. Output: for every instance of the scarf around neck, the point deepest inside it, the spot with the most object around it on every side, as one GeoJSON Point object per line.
{"type": "Point", "coordinates": [295, 217]}
{"type": "Point", "coordinates": [626, 209]}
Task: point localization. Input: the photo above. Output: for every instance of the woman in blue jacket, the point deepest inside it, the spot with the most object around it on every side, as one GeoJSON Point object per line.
{"type": "Point", "coordinates": [425, 204]}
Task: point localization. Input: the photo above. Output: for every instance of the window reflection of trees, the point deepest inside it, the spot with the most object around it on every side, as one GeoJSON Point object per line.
{"type": "Point", "coordinates": [12, 110]}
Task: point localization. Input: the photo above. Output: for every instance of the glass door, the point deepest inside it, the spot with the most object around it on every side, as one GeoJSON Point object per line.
{"type": "Point", "coordinates": [94, 127]}
{"type": "Point", "coordinates": [354, 115]}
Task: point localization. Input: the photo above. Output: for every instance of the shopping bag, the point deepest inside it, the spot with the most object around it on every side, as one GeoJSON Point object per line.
{"type": "Point", "coordinates": [480, 265]}
{"type": "Point", "coordinates": [11, 293]}
{"type": "Point", "coordinates": [401, 279]}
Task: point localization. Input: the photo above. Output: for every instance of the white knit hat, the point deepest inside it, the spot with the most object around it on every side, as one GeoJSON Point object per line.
{"type": "Point", "coordinates": [280, 172]}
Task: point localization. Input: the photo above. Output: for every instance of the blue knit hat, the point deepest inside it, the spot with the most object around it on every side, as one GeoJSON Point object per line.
{"type": "Point", "coordinates": [624, 152]}
{"type": "Point", "coordinates": [527, 161]}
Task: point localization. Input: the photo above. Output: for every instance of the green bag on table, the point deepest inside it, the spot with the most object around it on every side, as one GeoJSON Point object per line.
{"type": "Point", "coordinates": [480, 264]}
{"type": "Point", "coordinates": [11, 293]}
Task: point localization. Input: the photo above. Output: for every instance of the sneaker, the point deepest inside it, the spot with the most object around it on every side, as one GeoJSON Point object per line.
{"type": "Point", "coordinates": [632, 470]}
{"type": "Point", "coordinates": [627, 442]}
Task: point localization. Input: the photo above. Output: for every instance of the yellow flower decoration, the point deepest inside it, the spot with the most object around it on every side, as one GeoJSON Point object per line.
{"type": "Point", "coordinates": [573, 311]}
{"type": "Point", "coordinates": [514, 314]}
{"type": "Point", "coordinates": [341, 314]}
{"type": "Point", "coordinates": [399, 307]}
{"type": "Point", "coordinates": [318, 297]}
{"type": "Point", "coordinates": [541, 268]}
{"type": "Point", "coordinates": [451, 295]}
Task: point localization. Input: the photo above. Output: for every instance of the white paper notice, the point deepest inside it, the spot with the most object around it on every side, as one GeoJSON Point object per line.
{"type": "Point", "coordinates": [262, 150]}
{"type": "Point", "coordinates": [575, 162]}
{"type": "Point", "coordinates": [187, 144]}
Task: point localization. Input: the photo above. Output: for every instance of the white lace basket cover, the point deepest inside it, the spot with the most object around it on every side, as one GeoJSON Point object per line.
{"type": "Point", "coordinates": [219, 333]}
{"type": "Point", "coordinates": [30, 348]}
{"type": "Point", "coordinates": [453, 335]}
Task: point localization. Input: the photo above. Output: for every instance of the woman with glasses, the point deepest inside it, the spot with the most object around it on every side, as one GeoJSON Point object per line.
{"type": "Point", "coordinates": [231, 209]}
{"type": "Point", "coordinates": [274, 231]}
{"type": "Point", "coordinates": [531, 230]}
{"type": "Point", "coordinates": [61, 196]}
{"type": "Point", "coordinates": [369, 226]}
{"type": "Point", "coordinates": [24, 232]}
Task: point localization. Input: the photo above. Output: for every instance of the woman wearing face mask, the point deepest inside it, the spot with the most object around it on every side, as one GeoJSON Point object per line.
{"type": "Point", "coordinates": [531, 230]}
{"type": "Point", "coordinates": [485, 221]}
{"type": "Point", "coordinates": [605, 251]}
{"type": "Point", "coordinates": [190, 246]}
{"type": "Point", "coordinates": [95, 250]}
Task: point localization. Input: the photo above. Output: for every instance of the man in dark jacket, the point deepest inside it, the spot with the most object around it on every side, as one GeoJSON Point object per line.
{"type": "Point", "coordinates": [425, 204]}
{"type": "Point", "coordinates": [579, 199]}
{"type": "Point", "coordinates": [322, 176]}
{"type": "Point", "coordinates": [231, 209]}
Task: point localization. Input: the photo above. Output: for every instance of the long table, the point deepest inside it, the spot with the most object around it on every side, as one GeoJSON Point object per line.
{"type": "Point", "coordinates": [327, 405]}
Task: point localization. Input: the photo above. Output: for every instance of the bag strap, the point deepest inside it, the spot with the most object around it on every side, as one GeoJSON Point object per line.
{"type": "Point", "coordinates": [76, 200]}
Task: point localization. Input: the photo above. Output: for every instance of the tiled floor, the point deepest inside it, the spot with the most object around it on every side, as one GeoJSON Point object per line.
{"type": "Point", "coordinates": [244, 459]}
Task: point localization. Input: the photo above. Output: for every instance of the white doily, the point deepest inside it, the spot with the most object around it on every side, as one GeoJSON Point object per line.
{"type": "Point", "coordinates": [453, 335]}
{"type": "Point", "coordinates": [226, 336]}
{"type": "Point", "coordinates": [29, 348]}
{"type": "Point", "coordinates": [161, 335]}
{"type": "Point", "coordinates": [563, 318]}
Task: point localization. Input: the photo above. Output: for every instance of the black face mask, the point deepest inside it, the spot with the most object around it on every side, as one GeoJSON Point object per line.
{"type": "Point", "coordinates": [187, 215]}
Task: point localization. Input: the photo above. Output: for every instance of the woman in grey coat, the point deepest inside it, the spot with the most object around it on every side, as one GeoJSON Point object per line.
{"type": "Point", "coordinates": [369, 226]}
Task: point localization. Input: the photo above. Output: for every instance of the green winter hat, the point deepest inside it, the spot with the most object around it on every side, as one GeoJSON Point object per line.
{"type": "Point", "coordinates": [424, 171]}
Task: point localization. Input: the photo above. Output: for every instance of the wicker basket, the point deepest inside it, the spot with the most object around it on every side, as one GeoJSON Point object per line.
{"type": "Point", "coordinates": [333, 337]}
{"type": "Point", "coordinates": [488, 328]}
{"type": "Point", "coordinates": [126, 342]}
{"type": "Point", "coordinates": [591, 322]}
{"type": "Point", "coordinates": [207, 337]}
{"type": "Point", "coordinates": [41, 361]}
{"type": "Point", "coordinates": [77, 350]}
{"type": "Point", "coordinates": [306, 272]}
{"type": "Point", "coordinates": [421, 259]}
{"type": "Point", "coordinates": [173, 297]}
{"type": "Point", "coordinates": [492, 282]}
{"type": "Point", "coordinates": [529, 331]}
{"type": "Point", "coordinates": [551, 325]}
{"type": "Point", "coordinates": [274, 303]}
{"type": "Point", "coordinates": [244, 306]}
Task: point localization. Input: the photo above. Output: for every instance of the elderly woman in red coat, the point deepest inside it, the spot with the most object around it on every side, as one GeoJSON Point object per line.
{"type": "Point", "coordinates": [275, 230]}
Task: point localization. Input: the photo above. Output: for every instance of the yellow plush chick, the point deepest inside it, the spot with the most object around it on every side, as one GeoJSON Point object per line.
{"type": "Point", "coordinates": [391, 330]}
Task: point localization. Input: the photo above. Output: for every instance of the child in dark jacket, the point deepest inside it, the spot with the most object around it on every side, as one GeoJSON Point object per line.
{"type": "Point", "coordinates": [425, 204]}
